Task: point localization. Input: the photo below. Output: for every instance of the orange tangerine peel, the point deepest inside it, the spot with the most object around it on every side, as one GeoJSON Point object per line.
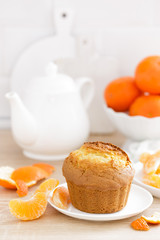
{"type": "Point", "coordinates": [140, 224]}
{"type": "Point", "coordinates": [25, 177]}
{"type": "Point", "coordinates": [22, 188]}
{"type": "Point", "coordinates": [47, 186]}
{"type": "Point", "coordinates": [5, 177]}
{"type": "Point", "coordinates": [29, 209]}
{"type": "Point", "coordinates": [151, 162]}
{"type": "Point", "coordinates": [61, 197]}
{"type": "Point", "coordinates": [6, 180]}
{"type": "Point", "coordinates": [154, 219]}
{"type": "Point", "coordinates": [46, 167]}
{"type": "Point", "coordinates": [29, 174]}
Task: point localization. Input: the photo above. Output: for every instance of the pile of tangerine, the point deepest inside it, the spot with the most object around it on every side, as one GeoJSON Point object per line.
{"type": "Point", "coordinates": [139, 95]}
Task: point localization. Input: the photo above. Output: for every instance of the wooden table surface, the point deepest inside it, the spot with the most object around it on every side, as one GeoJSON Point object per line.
{"type": "Point", "coordinates": [54, 225]}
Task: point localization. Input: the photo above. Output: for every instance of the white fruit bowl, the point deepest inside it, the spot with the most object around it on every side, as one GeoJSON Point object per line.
{"type": "Point", "coordinates": [136, 128]}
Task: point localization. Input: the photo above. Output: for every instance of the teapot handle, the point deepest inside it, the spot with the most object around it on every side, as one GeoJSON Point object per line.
{"type": "Point", "coordinates": [86, 88]}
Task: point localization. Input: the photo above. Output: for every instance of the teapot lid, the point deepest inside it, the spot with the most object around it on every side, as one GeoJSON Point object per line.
{"type": "Point", "coordinates": [53, 82]}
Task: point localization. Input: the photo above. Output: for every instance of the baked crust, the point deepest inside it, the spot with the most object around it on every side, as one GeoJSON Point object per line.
{"type": "Point", "coordinates": [104, 147]}
{"type": "Point", "coordinates": [98, 165]}
{"type": "Point", "coordinates": [97, 201]}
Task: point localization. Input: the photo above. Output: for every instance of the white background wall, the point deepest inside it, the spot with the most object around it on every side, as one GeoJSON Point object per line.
{"type": "Point", "coordinates": [126, 29]}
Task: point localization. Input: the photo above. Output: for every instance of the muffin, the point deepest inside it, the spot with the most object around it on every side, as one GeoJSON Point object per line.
{"type": "Point", "coordinates": [99, 177]}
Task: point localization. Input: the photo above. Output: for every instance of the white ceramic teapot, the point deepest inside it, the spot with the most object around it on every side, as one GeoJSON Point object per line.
{"type": "Point", "coordinates": [51, 120]}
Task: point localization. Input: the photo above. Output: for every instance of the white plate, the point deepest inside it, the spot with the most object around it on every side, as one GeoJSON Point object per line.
{"type": "Point", "coordinates": [138, 180]}
{"type": "Point", "coordinates": [138, 201]}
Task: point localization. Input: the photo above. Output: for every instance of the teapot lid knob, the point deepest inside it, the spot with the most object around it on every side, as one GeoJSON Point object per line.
{"type": "Point", "coordinates": [51, 69]}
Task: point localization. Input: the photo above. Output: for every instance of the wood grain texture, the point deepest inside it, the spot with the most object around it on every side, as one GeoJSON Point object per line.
{"type": "Point", "coordinates": [54, 225]}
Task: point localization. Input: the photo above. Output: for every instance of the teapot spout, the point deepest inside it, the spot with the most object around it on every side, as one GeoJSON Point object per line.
{"type": "Point", "coordinates": [22, 121]}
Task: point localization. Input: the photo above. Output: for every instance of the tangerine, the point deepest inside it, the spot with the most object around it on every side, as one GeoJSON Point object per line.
{"type": "Point", "coordinates": [29, 209]}
{"type": "Point", "coordinates": [29, 174]}
{"type": "Point", "coordinates": [154, 219]}
{"type": "Point", "coordinates": [22, 188]}
{"type": "Point", "coordinates": [147, 106]}
{"type": "Point", "coordinates": [5, 177]}
{"type": "Point", "coordinates": [47, 186]}
{"type": "Point", "coordinates": [61, 197]}
{"type": "Point", "coordinates": [120, 93]}
{"type": "Point", "coordinates": [147, 75]}
{"type": "Point", "coordinates": [140, 224]}
{"type": "Point", "coordinates": [46, 167]}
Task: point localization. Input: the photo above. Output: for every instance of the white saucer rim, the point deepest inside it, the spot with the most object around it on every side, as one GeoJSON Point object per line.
{"type": "Point", "coordinates": [100, 217]}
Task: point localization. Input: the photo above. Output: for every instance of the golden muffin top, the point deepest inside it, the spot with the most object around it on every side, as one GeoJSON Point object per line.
{"type": "Point", "coordinates": [100, 152]}
{"type": "Point", "coordinates": [98, 164]}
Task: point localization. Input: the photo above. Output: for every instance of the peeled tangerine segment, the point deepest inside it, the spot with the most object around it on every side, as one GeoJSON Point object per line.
{"type": "Point", "coordinates": [154, 219]}
{"type": "Point", "coordinates": [152, 180]}
{"type": "Point", "coordinates": [5, 177]}
{"type": "Point", "coordinates": [151, 162]}
{"type": "Point", "coordinates": [47, 186]}
{"type": "Point", "coordinates": [61, 197]}
{"type": "Point", "coordinates": [29, 209]}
